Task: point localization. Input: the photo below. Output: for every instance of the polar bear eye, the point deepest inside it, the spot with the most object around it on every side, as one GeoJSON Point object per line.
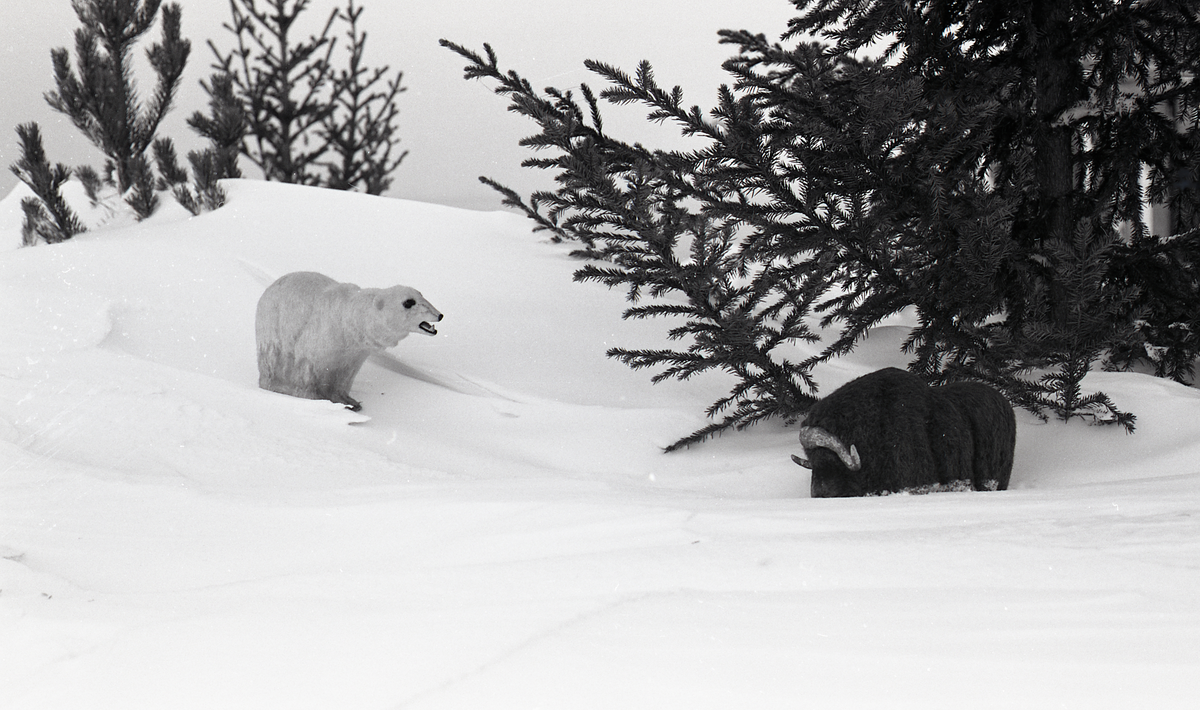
{"type": "Point", "coordinates": [410, 303]}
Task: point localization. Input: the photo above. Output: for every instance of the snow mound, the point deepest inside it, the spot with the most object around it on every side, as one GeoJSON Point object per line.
{"type": "Point", "coordinates": [500, 523]}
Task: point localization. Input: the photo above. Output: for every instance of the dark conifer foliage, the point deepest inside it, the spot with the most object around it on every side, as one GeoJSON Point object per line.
{"type": "Point", "coordinates": [1165, 315]}
{"type": "Point", "coordinates": [1073, 100]}
{"type": "Point", "coordinates": [142, 195]}
{"type": "Point", "coordinates": [207, 167]}
{"type": "Point", "coordinates": [167, 162]}
{"type": "Point", "coordinates": [224, 126]}
{"type": "Point", "coordinates": [630, 210]}
{"type": "Point", "coordinates": [91, 181]}
{"type": "Point", "coordinates": [99, 95]}
{"type": "Point", "coordinates": [892, 189]}
{"type": "Point", "coordinates": [989, 171]}
{"type": "Point", "coordinates": [47, 217]}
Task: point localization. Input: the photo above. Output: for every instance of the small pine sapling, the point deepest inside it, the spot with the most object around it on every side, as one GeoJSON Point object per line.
{"type": "Point", "coordinates": [37, 225]}
{"type": "Point", "coordinates": [209, 166]}
{"type": "Point", "coordinates": [173, 176]}
{"type": "Point", "coordinates": [47, 217]}
{"type": "Point", "coordinates": [100, 97]}
{"type": "Point", "coordinates": [92, 184]}
{"type": "Point", "coordinates": [206, 192]}
{"type": "Point", "coordinates": [225, 126]}
{"type": "Point", "coordinates": [170, 172]}
{"type": "Point", "coordinates": [142, 195]}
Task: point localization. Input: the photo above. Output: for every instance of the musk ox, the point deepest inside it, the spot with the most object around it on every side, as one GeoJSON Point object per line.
{"type": "Point", "coordinates": [889, 432]}
{"type": "Point", "coordinates": [314, 334]}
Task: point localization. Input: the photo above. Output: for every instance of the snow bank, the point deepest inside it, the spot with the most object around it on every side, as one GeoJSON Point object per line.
{"type": "Point", "coordinates": [501, 529]}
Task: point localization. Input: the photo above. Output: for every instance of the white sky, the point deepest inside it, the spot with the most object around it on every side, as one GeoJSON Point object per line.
{"type": "Point", "coordinates": [455, 130]}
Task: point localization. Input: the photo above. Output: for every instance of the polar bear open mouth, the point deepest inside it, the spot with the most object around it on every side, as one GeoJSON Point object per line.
{"type": "Point", "coordinates": [428, 328]}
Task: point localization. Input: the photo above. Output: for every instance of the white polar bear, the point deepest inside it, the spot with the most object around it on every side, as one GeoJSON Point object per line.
{"type": "Point", "coordinates": [314, 334]}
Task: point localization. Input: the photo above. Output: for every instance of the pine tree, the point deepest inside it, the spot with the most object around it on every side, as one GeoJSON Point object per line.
{"type": "Point", "coordinates": [171, 174]}
{"type": "Point", "coordinates": [206, 193]}
{"type": "Point", "coordinates": [91, 181]}
{"type": "Point", "coordinates": [100, 97]}
{"type": "Point", "coordinates": [209, 166]}
{"type": "Point", "coordinates": [224, 127]}
{"type": "Point", "coordinates": [47, 216]}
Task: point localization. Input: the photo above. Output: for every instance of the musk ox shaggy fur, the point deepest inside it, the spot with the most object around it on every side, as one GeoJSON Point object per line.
{"type": "Point", "coordinates": [890, 432]}
{"type": "Point", "coordinates": [314, 333]}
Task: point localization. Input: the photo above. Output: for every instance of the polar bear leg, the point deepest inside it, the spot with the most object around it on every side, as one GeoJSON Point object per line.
{"type": "Point", "coordinates": [275, 369]}
{"type": "Point", "coordinates": [283, 372]}
{"type": "Point", "coordinates": [279, 372]}
{"type": "Point", "coordinates": [334, 380]}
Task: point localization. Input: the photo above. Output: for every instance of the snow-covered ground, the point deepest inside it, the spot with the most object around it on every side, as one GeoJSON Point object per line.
{"type": "Point", "coordinates": [501, 530]}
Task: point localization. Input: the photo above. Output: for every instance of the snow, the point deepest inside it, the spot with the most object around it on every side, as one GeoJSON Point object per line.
{"type": "Point", "coordinates": [499, 528]}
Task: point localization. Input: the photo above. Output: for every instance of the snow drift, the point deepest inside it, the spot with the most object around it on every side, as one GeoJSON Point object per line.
{"type": "Point", "coordinates": [500, 529]}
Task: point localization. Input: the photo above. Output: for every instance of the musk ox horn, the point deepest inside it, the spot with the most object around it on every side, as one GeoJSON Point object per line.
{"type": "Point", "coordinates": [801, 461]}
{"type": "Point", "coordinates": [812, 437]}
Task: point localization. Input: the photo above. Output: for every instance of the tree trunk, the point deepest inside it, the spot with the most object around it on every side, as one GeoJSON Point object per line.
{"type": "Point", "coordinates": [1058, 76]}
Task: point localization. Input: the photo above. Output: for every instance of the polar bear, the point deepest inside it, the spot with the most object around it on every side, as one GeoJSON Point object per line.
{"type": "Point", "coordinates": [314, 333]}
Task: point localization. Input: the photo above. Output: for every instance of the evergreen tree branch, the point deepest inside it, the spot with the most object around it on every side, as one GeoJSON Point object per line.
{"type": "Point", "coordinates": [47, 217]}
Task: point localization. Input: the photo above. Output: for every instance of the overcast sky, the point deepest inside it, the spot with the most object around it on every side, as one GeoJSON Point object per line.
{"type": "Point", "coordinates": [456, 130]}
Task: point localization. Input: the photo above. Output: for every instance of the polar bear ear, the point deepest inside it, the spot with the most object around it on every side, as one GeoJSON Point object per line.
{"type": "Point", "coordinates": [380, 302]}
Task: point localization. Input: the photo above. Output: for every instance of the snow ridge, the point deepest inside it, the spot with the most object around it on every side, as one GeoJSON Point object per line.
{"type": "Point", "coordinates": [500, 522]}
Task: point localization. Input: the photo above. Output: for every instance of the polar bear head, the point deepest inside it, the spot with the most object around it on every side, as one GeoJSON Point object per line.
{"type": "Point", "coordinates": [398, 311]}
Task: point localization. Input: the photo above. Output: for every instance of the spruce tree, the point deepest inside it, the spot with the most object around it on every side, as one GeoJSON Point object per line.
{"type": "Point", "coordinates": [100, 97]}
{"type": "Point", "coordinates": [631, 212]}
{"type": "Point", "coordinates": [985, 171]}
{"type": "Point", "coordinates": [1069, 99]}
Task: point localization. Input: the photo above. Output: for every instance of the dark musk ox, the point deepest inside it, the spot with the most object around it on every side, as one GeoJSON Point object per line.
{"type": "Point", "coordinates": [890, 432]}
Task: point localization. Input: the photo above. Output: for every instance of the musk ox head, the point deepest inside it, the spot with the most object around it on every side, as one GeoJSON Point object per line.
{"type": "Point", "coordinates": [869, 436]}
{"type": "Point", "coordinates": [836, 466]}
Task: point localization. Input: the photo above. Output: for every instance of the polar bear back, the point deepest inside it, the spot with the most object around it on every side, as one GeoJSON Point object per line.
{"type": "Point", "coordinates": [309, 314]}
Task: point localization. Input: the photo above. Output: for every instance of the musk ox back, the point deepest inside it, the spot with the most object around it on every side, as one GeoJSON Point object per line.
{"type": "Point", "coordinates": [993, 431]}
{"type": "Point", "coordinates": [888, 432]}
